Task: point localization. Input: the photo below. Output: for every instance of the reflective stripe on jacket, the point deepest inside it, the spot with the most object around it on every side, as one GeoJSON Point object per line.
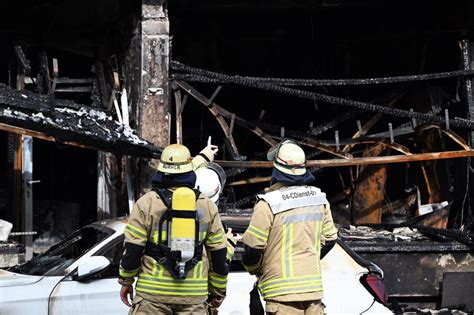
{"type": "Point", "coordinates": [291, 241]}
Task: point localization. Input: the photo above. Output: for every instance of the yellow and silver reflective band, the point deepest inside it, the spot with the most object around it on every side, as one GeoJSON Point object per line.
{"type": "Point", "coordinates": [128, 273]}
{"type": "Point", "coordinates": [216, 238]}
{"type": "Point", "coordinates": [155, 236]}
{"type": "Point", "coordinates": [317, 244]}
{"type": "Point", "coordinates": [197, 273]}
{"type": "Point", "coordinates": [300, 284]}
{"type": "Point", "coordinates": [303, 217]}
{"type": "Point", "coordinates": [287, 251]}
{"type": "Point", "coordinates": [172, 286]}
{"type": "Point", "coordinates": [202, 235]}
{"type": "Point", "coordinates": [258, 233]}
{"type": "Point", "coordinates": [252, 268]}
{"type": "Point", "coordinates": [217, 281]}
{"type": "Point", "coordinates": [203, 227]}
{"type": "Point", "coordinates": [164, 232]}
{"type": "Point", "coordinates": [329, 228]}
{"type": "Point", "coordinates": [138, 233]}
{"type": "Point", "coordinates": [158, 269]}
{"type": "Point", "coordinates": [230, 250]}
{"type": "Point", "coordinates": [168, 280]}
{"type": "Point", "coordinates": [296, 289]}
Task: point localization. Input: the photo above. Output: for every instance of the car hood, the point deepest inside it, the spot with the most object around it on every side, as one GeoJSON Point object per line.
{"type": "Point", "coordinates": [10, 279]}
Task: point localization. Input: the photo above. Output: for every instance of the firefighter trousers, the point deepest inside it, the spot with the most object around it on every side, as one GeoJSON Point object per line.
{"type": "Point", "coordinates": [143, 307]}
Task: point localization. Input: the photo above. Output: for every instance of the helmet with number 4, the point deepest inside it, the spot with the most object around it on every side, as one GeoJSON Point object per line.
{"type": "Point", "coordinates": [175, 159]}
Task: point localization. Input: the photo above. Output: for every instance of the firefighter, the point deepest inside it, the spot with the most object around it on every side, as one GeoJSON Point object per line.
{"type": "Point", "coordinates": [210, 181]}
{"type": "Point", "coordinates": [174, 243]}
{"type": "Point", "coordinates": [290, 231]}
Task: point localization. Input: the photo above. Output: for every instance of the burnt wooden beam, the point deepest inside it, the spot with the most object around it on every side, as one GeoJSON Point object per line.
{"type": "Point", "coordinates": [23, 62]}
{"type": "Point", "coordinates": [81, 125]}
{"type": "Point", "coordinates": [466, 49]}
{"type": "Point", "coordinates": [253, 180]}
{"type": "Point", "coordinates": [358, 161]}
{"type": "Point", "coordinates": [369, 191]}
{"type": "Point", "coordinates": [40, 135]}
{"type": "Point", "coordinates": [218, 112]}
{"type": "Point", "coordinates": [179, 107]}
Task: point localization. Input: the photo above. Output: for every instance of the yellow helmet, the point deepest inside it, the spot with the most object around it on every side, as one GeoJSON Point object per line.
{"type": "Point", "coordinates": [288, 157]}
{"type": "Point", "coordinates": [175, 159]}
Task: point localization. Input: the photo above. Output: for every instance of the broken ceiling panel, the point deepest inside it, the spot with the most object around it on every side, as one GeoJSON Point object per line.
{"type": "Point", "coordinates": [68, 122]}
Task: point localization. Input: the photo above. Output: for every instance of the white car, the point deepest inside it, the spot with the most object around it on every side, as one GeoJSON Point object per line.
{"type": "Point", "coordinates": [79, 276]}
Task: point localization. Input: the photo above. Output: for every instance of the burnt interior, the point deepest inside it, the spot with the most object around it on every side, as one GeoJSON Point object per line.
{"type": "Point", "coordinates": [330, 39]}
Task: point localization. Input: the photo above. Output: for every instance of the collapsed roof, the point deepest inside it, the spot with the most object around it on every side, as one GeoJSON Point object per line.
{"type": "Point", "coordinates": [68, 122]}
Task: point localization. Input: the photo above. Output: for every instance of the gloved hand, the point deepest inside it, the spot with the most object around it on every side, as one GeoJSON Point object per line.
{"type": "Point", "coordinates": [216, 301]}
{"type": "Point", "coordinates": [210, 150]}
{"type": "Point", "coordinates": [125, 292]}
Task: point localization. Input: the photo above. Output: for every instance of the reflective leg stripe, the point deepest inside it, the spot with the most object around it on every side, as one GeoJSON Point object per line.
{"type": "Point", "coordinates": [138, 233]}
{"type": "Point", "coordinates": [290, 285]}
{"type": "Point", "coordinates": [257, 233]}
{"type": "Point", "coordinates": [217, 281]}
{"type": "Point", "coordinates": [128, 273]}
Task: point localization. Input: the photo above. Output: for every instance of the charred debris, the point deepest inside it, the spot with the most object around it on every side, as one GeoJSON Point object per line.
{"type": "Point", "coordinates": [384, 109]}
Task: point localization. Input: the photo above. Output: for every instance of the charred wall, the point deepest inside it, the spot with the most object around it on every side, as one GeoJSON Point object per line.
{"type": "Point", "coordinates": [330, 39]}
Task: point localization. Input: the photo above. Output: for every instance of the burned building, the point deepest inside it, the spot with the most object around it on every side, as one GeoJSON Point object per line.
{"type": "Point", "coordinates": [378, 93]}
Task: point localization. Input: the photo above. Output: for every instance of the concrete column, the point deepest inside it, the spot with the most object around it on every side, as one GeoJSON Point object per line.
{"type": "Point", "coordinates": [147, 66]}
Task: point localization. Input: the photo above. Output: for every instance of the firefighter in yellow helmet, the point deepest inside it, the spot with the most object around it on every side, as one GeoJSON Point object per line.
{"type": "Point", "coordinates": [290, 231]}
{"type": "Point", "coordinates": [174, 242]}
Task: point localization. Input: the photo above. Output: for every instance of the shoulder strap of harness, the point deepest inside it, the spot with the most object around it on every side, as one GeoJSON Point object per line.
{"type": "Point", "coordinates": [165, 195]}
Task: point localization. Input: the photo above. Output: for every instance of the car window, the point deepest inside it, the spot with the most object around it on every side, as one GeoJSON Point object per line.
{"type": "Point", "coordinates": [113, 252]}
{"type": "Point", "coordinates": [58, 258]}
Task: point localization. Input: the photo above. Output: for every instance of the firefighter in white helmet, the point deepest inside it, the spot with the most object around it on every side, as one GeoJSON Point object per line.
{"type": "Point", "coordinates": [174, 243]}
{"type": "Point", "coordinates": [290, 230]}
{"type": "Point", "coordinates": [210, 181]}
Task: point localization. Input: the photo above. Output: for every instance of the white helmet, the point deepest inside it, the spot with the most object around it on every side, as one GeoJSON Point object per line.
{"type": "Point", "coordinates": [210, 180]}
{"type": "Point", "coordinates": [208, 183]}
{"type": "Point", "coordinates": [288, 157]}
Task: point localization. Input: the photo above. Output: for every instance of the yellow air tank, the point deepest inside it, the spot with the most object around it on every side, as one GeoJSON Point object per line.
{"type": "Point", "coordinates": [183, 229]}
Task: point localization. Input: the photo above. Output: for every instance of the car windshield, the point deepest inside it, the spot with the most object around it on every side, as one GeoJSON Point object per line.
{"type": "Point", "coordinates": [59, 257]}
